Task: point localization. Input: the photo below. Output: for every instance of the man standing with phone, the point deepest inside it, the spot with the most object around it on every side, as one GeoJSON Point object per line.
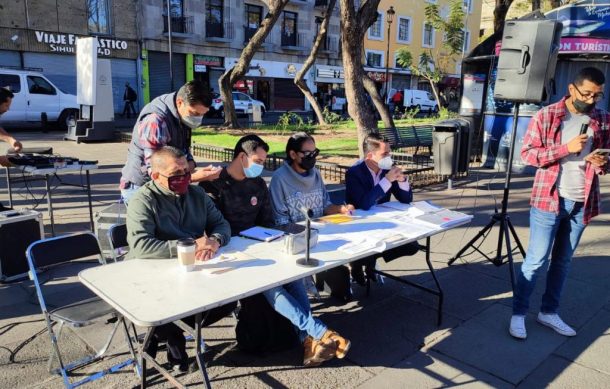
{"type": "Point", "coordinates": [565, 195]}
{"type": "Point", "coordinates": [6, 98]}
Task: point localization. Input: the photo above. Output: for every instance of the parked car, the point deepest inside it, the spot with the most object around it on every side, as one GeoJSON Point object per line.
{"type": "Point", "coordinates": [243, 105]}
{"type": "Point", "coordinates": [36, 95]}
{"type": "Point", "coordinates": [422, 100]}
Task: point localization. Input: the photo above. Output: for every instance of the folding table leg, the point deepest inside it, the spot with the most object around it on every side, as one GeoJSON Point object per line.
{"type": "Point", "coordinates": [50, 203]}
{"type": "Point", "coordinates": [89, 198]}
{"type": "Point", "coordinates": [198, 354]}
{"type": "Point", "coordinates": [438, 285]}
{"type": "Point", "coordinates": [149, 334]}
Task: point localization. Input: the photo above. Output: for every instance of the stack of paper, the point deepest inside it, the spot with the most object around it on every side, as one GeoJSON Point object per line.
{"type": "Point", "coordinates": [223, 263]}
{"type": "Point", "coordinates": [443, 218]}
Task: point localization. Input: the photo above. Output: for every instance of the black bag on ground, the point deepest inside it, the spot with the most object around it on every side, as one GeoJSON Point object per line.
{"type": "Point", "coordinates": [338, 281]}
{"type": "Point", "coordinates": [261, 329]}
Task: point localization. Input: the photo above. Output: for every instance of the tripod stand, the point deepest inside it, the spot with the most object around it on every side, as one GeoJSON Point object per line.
{"type": "Point", "coordinates": [506, 227]}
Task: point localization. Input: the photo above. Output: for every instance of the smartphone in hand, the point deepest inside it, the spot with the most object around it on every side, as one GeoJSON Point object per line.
{"type": "Point", "coordinates": [604, 152]}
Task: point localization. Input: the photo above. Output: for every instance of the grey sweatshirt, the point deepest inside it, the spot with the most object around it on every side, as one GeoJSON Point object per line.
{"type": "Point", "coordinates": [291, 191]}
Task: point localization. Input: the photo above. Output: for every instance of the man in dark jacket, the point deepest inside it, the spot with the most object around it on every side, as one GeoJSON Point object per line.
{"type": "Point", "coordinates": [164, 210]}
{"type": "Point", "coordinates": [372, 181]}
{"type": "Point", "coordinates": [6, 98]}
{"type": "Point", "coordinates": [129, 96]}
{"type": "Point", "coordinates": [168, 120]}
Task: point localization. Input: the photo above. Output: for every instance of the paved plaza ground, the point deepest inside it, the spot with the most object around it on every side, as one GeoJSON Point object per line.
{"type": "Point", "coordinates": [395, 339]}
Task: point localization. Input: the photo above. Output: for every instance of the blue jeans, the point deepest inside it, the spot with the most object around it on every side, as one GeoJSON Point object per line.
{"type": "Point", "coordinates": [291, 301]}
{"type": "Point", "coordinates": [560, 232]}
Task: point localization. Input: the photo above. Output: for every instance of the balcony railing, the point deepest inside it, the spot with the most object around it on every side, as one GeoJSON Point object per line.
{"type": "Point", "coordinates": [219, 32]}
{"type": "Point", "coordinates": [297, 42]}
{"type": "Point", "coordinates": [329, 45]}
{"type": "Point", "coordinates": [180, 24]}
{"type": "Point", "coordinates": [321, 3]}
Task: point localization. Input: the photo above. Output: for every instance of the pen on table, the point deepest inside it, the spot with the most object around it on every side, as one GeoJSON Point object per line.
{"type": "Point", "coordinates": [349, 211]}
{"type": "Point", "coordinates": [267, 233]}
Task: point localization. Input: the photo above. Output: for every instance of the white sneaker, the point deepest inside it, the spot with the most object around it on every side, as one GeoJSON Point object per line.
{"type": "Point", "coordinates": [517, 327]}
{"type": "Point", "coordinates": [553, 321]}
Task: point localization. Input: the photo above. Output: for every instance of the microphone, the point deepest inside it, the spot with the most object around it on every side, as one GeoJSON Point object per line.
{"type": "Point", "coordinates": [583, 130]}
{"type": "Point", "coordinates": [307, 212]}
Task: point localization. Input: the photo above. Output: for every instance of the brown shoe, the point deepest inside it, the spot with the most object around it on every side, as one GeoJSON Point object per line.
{"type": "Point", "coordinates": [342, 344]}
{"type": "Point", "coordinates": [316, 352]}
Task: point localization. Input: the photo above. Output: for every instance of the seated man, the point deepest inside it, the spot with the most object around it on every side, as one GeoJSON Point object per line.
{"type": "Point", "coordinates": [243, 198]}
{"type": "Point", "coordinates": [372, 181]}
{"type": "Point", "coordinates": [164, 210]}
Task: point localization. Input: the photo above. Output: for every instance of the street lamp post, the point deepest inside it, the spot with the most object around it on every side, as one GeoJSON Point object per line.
{"type": "Point", "coordinates": [390, 16]}
{"type": "Point", "coordinates": [169, 41]}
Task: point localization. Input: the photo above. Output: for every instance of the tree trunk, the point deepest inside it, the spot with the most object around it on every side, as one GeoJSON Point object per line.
{"type": "Point", "coordinates": [435, 91]}
{"type": "Point", "coordinates": [500, 12]}
{"type": "Point", "coordinates": [354, 24]}
{"type": "Point", "coordinates": [557, 3]}
{"type": "Point", "coordinates": [234, 74]}
{"type": "Point", "coordinates": [535, 5]}
{"type": "Point", "coordinates": [382, 108]}
{"type": "Point", "coordinates": [311, 59]}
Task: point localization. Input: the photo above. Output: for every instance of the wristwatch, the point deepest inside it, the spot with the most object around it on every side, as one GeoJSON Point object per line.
{"type": "Point", "coordinates": [217, 238]}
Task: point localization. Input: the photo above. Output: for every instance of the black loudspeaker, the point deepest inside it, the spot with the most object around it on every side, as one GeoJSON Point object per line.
{"type": "Point", "coordinates": [527, 60]}
{"type": "Point", "coordinates": [18, 229]}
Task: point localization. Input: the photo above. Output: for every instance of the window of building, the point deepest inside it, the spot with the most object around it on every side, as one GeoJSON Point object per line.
{"type": "Point", "coordinates": [98, 16]}
{"type": "Point", "coordinates": [10, 81]}
{"type": "Point", "coordinates": [376, 30]}
{"type": "Point", "coordinates": [289, 29]}
{"type": "Point", "coordinates": [40, 86]}
{"type": "Point", "coordinates": [254, 17]}
{"type": "Point", "coordinates": [466, 41]}
{"type": "Point", "coordinates": [214, 18]}
{"type": "Point", "coordinates": [374, 58]}
{"type": "Point", "coordinates": [468, 6]}
{"type": "Point", "coordinates": [428, 36]}
{"type": "Point", "coordinates": [176, 8]}
{"type": "Point", "coordinates": [404, 30]}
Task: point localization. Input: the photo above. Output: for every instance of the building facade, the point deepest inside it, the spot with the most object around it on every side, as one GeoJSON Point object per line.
{"type": "Point", "coordinates": [409, 29]}
{"type": "Point", "coordinates": [42, 35]}
{"type": "Point", "coordinates": [208, 38]}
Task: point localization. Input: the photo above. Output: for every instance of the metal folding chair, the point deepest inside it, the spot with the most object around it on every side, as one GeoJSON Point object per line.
{"type": "Point", "coordinates": [117, 237]}
{"type": "Point", "coordinates": [54, 251]}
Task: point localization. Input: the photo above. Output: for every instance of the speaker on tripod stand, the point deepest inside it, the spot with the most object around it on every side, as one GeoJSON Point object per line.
{"type": "Point", "coordinates": [525, 70]}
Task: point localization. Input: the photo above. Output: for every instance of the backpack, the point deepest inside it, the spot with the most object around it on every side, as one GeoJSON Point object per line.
{"type": "Point", "coordinates": [261, 329]}
{"type": "Point", "coordinates": [338, 281]}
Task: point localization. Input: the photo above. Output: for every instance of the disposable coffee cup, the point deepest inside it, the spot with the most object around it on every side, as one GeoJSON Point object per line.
{"type": "Point", "coordinates": [186, 254]}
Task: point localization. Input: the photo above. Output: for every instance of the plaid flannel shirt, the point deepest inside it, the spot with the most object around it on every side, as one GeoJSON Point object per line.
{"type": "Point", "coordinates": [542, 148]}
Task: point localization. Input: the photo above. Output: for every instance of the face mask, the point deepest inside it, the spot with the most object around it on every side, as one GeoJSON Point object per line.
{"type": "Point", "coordinates": [179, 184]}
{"type": "Point", "coordinates": [385, 163]}
{"type": "Point", "coordinates": [308, 163]}
{"type": "Point", "coordinates": [252, 171]}
{"type": "Point", "coordinates": [192, 121]}
{"type": "Point", "coordinates": [582, 107]}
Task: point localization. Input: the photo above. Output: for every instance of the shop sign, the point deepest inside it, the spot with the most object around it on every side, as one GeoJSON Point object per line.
{"type": "Point", "coordinates": [584, 45]}
{"type": "Point", "coordinates": [66, 43]}
{"type": "Point", "coordinates": [291, 70]}
{"type": "Point", "coordinates": [207, 60]}
{"type": "Point", "coordinates": [200, 68]}
{"type": "Point", "coordinates": [376, 76]}
{"type": "Point", "coordinates": [329, 73]}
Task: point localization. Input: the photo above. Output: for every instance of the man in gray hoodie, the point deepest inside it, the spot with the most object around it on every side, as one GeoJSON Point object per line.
{"type": "Point", "coordinates": [168, 120]}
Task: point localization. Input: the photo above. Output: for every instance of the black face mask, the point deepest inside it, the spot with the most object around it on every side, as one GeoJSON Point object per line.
{"type": "Point", "coordinates": [308, 163]}
{"type": "Point", "coordinates": [582, 107]}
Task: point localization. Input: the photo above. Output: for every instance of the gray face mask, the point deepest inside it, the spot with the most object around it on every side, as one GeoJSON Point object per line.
{"type": "Point", "coordinates": [192, 121]}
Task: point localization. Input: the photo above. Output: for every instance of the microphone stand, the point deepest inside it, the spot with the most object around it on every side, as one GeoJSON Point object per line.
{"type": "Point", "coordinates": [307, 261]}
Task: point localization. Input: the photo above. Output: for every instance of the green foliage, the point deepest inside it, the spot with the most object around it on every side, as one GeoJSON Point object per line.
{"type": "Point", "coordinates": [410, 114]}
{"type": "Point", "coordinates": [444, 113]}
{"type": "Point", "coordinates": [290, 121]}
{"type": "Point", "coordinates": [330, 117]}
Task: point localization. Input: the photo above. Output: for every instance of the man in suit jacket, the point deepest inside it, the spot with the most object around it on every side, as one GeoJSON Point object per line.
{"type": "Point", "coordinates": [373, 180]}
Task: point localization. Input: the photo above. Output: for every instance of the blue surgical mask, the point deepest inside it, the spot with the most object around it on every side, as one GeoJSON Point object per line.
{"type": "Point", "coordinates": [253, 171]}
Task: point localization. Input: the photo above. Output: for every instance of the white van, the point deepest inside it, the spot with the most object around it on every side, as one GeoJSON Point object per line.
{"type": "Point", "coordinates": [35, 95]}
{"type": "Point", "coordinates": [422, 100]}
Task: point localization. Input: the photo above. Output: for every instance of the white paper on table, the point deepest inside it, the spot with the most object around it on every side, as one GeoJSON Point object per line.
{"type": "Point", "coordinates": [353, 248]}
{"type": "Point", "coordinates": [223, 263]}
{"type": "Point", "coordinates": [426, 206]}
{"type": "Point", "coordinates": [396, 205]}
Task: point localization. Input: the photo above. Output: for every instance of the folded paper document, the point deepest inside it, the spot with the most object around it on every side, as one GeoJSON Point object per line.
{"type": "Point", "coordinates": [443, 219]}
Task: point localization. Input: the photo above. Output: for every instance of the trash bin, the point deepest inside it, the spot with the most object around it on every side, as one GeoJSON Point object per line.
{"type": "Point", "coordinates": [451, 146]}
{"type": "Point", "coordinates": [256, 115]}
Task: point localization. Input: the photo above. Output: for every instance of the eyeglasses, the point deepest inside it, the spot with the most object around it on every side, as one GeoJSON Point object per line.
{"type": "Point", "coordinates": [595, 96]}
{"type": "Point", "coordinates": [310, 153]}
{"type": "Point", "coordinates": [187, 174]}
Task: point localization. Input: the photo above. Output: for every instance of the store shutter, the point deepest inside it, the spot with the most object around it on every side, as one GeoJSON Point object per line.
{"type": "Point", "coordinates": [10, 58]}
{"type": "Point", "coordinates": [287, 95]}
{"type": "Point", "coordinates": [60, 69]}
{"type": "Point", "coordinates": [158, 68]}
{"type": "Point", "coordinates": [123, 70]}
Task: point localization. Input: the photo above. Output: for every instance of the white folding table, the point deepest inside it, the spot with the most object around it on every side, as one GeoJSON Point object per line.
{"type": "Point", "coordinates": [155, 292]}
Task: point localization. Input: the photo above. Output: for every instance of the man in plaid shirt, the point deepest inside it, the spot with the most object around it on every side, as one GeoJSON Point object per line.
{"type": "Point", "coordinates": [565, 195]}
